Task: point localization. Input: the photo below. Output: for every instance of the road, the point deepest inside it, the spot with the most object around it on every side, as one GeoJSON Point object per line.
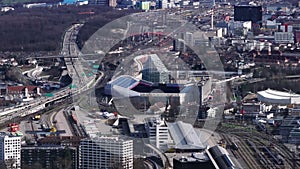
{"type": "Point", "coordinates": [80, 81]}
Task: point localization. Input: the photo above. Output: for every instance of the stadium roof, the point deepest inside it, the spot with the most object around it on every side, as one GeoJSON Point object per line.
{"type": "Point", "coordinates": [278, 97]}
{"type": "Point", "coordinates": [124, 81]}
{"type": "Point", "coordinates": [129, 86]}
{"type": "Point", "coordinates": [184, 136]}
{"type": "Point", "coordinates": [121, 86]}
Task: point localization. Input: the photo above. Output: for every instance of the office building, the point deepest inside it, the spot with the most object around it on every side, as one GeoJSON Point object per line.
{"type": "Point", "coordinates": [53, 157]}
{"type": "Point", "coordinates": [106, 152]}
{"type": "Point", "coordinates": [154, 70]}
{"type": "Point", "coordinates": [10, 150]}
{"type": "Point", "coordinates": [158, 132]}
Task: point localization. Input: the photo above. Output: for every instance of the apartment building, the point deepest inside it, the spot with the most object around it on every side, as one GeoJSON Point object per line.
{"type": "Point", "coordinates": [106, 152]}
{"type": "Point", "coordinates": [10, 150]}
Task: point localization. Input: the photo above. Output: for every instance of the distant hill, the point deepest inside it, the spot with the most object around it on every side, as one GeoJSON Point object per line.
{"type": "Point", "coordinates": [96, 22]}
{"type": "Point", "coordinates": [42, 29]}
{"type": "Point", "coordinates": [14, 2]}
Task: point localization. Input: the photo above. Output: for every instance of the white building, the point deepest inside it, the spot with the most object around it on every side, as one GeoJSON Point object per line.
{"type": "Point", "coordinates": [278, 97]}
{"type": "Point", "coordinates": [106, 152]}
{"type": "Point", "coordinates": [158, 133]}
{"type": "Point", "coordinates": [10, 150]}
{"type": "Point", "coordinates": [284, 37]}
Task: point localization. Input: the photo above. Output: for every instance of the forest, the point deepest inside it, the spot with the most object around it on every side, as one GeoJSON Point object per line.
{"type": "Point", "coordinates": [96, 22]}
{"type": "Point", "coordinates": [42, 29]}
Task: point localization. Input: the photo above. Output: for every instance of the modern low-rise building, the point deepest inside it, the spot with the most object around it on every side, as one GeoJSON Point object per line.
{"type": "Point", "coordinates": [278, 97]}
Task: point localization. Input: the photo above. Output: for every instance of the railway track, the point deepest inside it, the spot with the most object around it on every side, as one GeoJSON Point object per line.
{"type": "Point", "coordinates": [261, 157]}
{"type": "Point", "coordinates": [149, 165]}
{"type": "Point", "coordinates": [260, 140]}
{"type": "Point", "coordinates": [242, 152]}
{"type": "Point", "coordinates": [245, 150]}
{"type": "Point", "coordinates": [77, 129]}
{"type": "Point", "coordinates": [257, 153]}
{"type": "Point", "coordinates": [280, 149]}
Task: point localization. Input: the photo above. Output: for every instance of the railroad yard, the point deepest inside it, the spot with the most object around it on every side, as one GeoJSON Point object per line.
{"type": "Point", "coordinates": [256, 149]}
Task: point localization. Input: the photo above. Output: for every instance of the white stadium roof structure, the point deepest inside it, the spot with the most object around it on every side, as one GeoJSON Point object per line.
{"type": "Point", "coordinates": [121, 86]}
{"type": "Point", "coordinates": [278, 97]}
{"type": "Point", "coordinates": [185, 136]}
{"type": "Point", "coordinates": [126, 86]}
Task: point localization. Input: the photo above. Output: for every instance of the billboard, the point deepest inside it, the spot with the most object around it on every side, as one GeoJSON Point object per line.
{"type": "Point", "coordinates": [248, 13]}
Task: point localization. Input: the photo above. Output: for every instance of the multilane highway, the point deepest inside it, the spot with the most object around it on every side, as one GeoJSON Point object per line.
{"type": "Point", "coordinates": [80, 81]}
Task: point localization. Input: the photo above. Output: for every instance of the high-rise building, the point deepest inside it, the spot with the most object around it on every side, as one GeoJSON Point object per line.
{"type": "Point", "coordinates": [155, 71]}
{"type": "Point", "coordinates": [158, 133]}
{"type": "Point", "coordinates": [106, 152]}
{"type": "Point", "coordinates": [10, 150]}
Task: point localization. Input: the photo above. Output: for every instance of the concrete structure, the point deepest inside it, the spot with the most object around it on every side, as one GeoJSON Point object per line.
{"type": "Point", "coordinates": [278, 97]}
{"type": "Point", "coordinates": [106, 152]}
{"type": "Point", "coordinates": [10, 150]}
{"type": "Point", "coordinates": [49, 157]}
{"type": "Point", "coordinates": [158, 133]}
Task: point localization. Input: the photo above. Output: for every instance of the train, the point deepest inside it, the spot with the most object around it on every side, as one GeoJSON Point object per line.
{"type": "Point", "coordinates": [276, 159]}
{"type": "Point", "coordinates": [234, 146]}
